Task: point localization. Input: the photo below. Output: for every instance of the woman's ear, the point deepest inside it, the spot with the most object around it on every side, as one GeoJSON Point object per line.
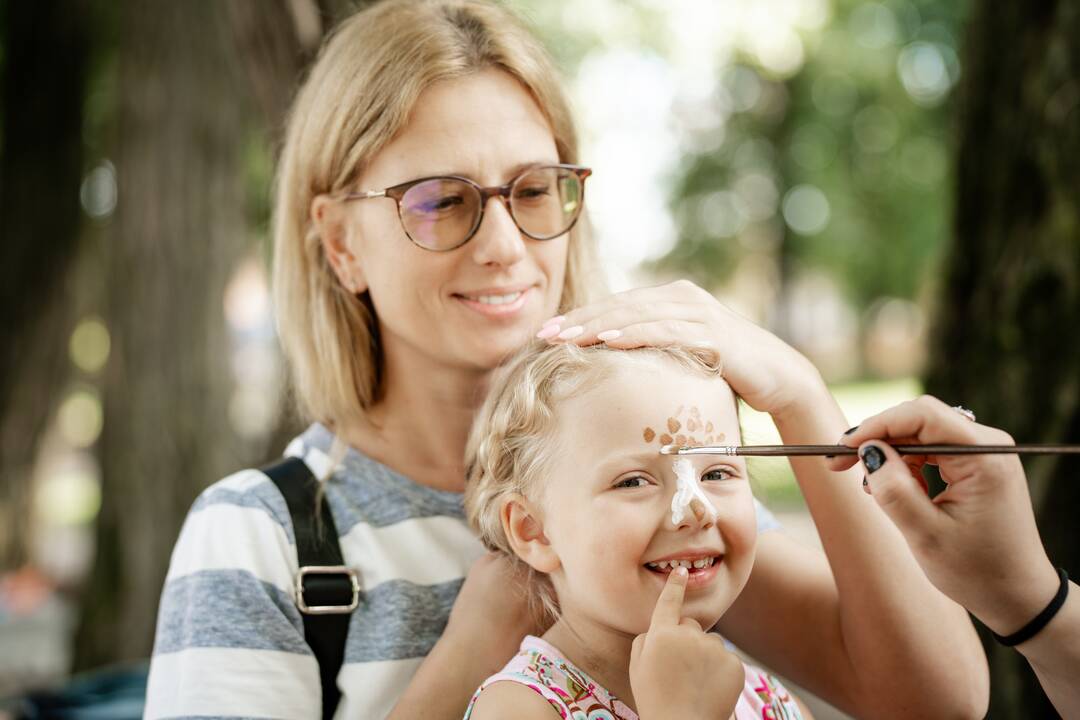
{"type": "Point", "coordinates": [524, 529]}
{"type": "Point", "coordinates": [328, 216]}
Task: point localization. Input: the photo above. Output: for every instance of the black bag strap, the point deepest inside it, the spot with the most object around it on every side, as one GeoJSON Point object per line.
{"type": "Point", "coordinates": [326, 591]}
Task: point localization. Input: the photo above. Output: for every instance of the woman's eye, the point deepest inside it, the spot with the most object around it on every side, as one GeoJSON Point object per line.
{"type": "Point", "coordinates": [532, 192]}
{"type": "Point", "coordinates": [441, 204]}
{"type": "Point", "coordinates": [632, 482]}
{"type": "Point", "coordinates": [717, 474]}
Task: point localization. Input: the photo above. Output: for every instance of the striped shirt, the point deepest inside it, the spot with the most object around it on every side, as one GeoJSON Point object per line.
{"type": "Point", "coordinates": [230, 640]}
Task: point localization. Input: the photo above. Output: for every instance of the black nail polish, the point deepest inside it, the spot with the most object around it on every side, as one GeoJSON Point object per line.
{"type": "Point", "coordinates": [851, 430]}
{"type": "Point", "coordinates": [872, 458]}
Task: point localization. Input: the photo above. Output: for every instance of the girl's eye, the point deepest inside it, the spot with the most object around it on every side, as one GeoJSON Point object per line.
{"type": "Point", "coordinates": [635, 481]}
{"type": "Point", "coordinates": [717, 474]}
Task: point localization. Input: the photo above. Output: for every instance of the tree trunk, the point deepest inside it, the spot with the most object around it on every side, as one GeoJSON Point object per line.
{"type": "Point", "coordinates": [178, 231]}
{"type": "Point", "coordinates": [41, 167]}
{"type": "Point", "coordinates": [197, 82]}
{"type": "Point", "coordinates": [1012, 290]}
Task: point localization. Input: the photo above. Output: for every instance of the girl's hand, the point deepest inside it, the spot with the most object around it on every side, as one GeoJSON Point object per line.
{"type": "Point", "coordinates": [679, 671]}
{"type": "Point", "coordinates": [491, 615]}
{"type": "Point", "coordinates": [766, 372]}
{"type": "Point", "coordinates": [976, 541]}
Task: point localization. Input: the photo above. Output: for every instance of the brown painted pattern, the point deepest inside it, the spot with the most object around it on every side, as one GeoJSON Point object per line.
{"type": "Point", "coordinates": [693, 424]}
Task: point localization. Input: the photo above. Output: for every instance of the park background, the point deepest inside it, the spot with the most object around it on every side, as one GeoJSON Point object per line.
{"type": "Point", "coordinates": [892, 187]}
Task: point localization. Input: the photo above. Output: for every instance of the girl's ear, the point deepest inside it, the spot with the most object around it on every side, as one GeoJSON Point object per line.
{"type": "Point", "coordinates": [328, 216]}
{"type": "Point", "coordinates": [525, 530]}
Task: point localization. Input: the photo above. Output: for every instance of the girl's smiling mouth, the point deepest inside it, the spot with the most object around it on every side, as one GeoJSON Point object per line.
{"type": "Point", "coordinates": [702, 566]}
{"type": "Point", "coordinates": [666, 566]}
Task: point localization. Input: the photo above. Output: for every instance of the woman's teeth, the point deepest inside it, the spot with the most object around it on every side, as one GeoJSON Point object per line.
{"type": "Point", "coordinates": [688, 564]}
{"type": "Point", "coordinates": [495, 299]}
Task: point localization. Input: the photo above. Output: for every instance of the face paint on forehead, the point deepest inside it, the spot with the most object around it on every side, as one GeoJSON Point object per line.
{"type": "Point", "coordinates": [684, 427]}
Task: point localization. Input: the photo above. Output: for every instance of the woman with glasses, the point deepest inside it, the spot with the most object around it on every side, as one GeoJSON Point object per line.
{"type": "Point", "coordinates": [428, 223]}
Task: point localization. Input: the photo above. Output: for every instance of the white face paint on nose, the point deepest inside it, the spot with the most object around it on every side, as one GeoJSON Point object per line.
{"type": "Point", "coordinates": [689, 497]}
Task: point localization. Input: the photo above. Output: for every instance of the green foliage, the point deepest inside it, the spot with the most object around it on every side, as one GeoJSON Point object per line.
{"type": "Point", "coordinates": [862, 121]}
{"type": "Point", "coordinates": [865, 121]}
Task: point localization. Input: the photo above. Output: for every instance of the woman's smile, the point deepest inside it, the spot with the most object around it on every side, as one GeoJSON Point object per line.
{"type": "Point", "coordinates": [497, 302]}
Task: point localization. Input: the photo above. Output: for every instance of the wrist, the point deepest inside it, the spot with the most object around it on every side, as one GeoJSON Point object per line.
{"type": "Point", "coordinates": [487, 652]}
{"type": "Point", "coordinates": [1020, 601]}
{"type": "Point", "coordinates": [809, 405]}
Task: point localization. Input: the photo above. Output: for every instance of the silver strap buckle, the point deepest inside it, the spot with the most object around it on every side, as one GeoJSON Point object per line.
{"type": "Point", "coordinates": [354, 581]}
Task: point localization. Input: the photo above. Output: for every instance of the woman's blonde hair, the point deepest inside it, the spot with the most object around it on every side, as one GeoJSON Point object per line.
{"type": "Point", "coordinates": [514, 436]}
{"type": "Point", "coordinates": [358, 96]}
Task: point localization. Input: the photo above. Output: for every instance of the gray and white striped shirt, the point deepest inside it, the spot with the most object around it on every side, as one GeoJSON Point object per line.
{"type": "Point", "coordinates": [230, 641]}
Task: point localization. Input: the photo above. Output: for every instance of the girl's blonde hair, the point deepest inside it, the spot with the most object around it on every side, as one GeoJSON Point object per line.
{"type": "Point", "coordinates": [358, 96]}
{"type": "Point", "coordinates": [514, 436]}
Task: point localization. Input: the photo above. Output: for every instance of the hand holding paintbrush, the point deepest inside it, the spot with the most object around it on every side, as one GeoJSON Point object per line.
{"type": "Point", "coordinates": [977, 540]}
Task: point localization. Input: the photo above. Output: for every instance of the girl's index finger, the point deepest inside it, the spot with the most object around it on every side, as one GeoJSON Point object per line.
{"type": "Point", "coordinates": [668, 609]}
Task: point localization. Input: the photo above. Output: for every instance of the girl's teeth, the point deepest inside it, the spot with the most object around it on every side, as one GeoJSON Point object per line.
{"type": "Point", "coordinates": [688, 564]}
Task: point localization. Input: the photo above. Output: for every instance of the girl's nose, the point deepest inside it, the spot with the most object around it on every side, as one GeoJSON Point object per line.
{"type": "Point", "coordinates": [699, 517]}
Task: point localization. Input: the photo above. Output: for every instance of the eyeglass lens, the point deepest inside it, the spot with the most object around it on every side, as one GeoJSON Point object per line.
{"type": "Point", "coordinates": [441, 214]}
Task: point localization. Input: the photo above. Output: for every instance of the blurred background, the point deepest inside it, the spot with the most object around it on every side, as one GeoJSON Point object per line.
{"type": "Point", "coordinates": [892, 187]}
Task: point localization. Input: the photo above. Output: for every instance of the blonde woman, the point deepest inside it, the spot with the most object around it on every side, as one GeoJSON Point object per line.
{"type": "Point", "coordinates": [417, 244]}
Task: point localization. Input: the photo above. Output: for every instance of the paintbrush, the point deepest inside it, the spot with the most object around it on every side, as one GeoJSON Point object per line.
{"type": "Point", "coordinates": [791, 450]}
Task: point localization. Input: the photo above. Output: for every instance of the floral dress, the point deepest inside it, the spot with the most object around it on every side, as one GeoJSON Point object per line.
{"type": "Point", "coordinates": [575, 696]}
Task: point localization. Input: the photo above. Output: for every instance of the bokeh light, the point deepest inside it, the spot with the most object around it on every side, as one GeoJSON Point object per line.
{"type": "Point", "coordinates": [80, 418]}
{"type": "Point", "coordinates": [806, 209]}
{"type": "Point", "coordinates": [90, 344]}
{"type": "Point", "coordinates": [98, 192]}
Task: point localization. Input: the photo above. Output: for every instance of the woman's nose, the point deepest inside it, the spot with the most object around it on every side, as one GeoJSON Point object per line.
{"type": "Point", "coordinates": [498, 240]}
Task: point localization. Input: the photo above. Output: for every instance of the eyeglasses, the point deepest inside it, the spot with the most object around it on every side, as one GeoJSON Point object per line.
{"type": "Point", "coordinates": [443, 213]}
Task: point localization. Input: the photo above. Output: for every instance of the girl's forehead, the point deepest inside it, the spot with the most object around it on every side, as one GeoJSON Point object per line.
{"type": "Point", "coordinates": [658, 399]}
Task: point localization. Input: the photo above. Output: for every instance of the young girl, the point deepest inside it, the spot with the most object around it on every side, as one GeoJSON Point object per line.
{"type": "Point", "coordinates": [566, 478]}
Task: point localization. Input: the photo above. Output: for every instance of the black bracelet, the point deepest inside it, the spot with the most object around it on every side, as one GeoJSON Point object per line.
{"type": "Point", "coordinates": [1032, 628]}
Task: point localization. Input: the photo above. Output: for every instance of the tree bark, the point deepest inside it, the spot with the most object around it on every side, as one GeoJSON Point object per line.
{"type": "Point", "coordinates": [178, 232]}
{"type": "Point", "coordinates": [1002, 340]}
{"type": "Point", "coordinates": [197, 82]}
{"type": "Point", "coordinates": [46, 48]}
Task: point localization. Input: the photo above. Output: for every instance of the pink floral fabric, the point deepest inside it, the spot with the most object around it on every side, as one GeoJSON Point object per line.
{"type": "Point", "coordinates": [575, 696]}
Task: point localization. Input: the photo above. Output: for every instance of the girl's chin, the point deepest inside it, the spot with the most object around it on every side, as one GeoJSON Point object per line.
{"type": "Point", "coordinates": [706, 620]}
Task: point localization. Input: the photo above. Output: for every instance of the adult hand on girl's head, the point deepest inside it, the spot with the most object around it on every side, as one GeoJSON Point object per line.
{"type": "Point", "coordinates": [491, 615]}
{"type": "Point", "coordinates": [977, 540]}
{"type": "Point", "coordinates": [677, 669]}
{"type": "Point", "coordinates": [766, 372]}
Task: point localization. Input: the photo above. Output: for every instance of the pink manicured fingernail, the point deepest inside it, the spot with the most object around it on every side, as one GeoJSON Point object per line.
{"type": "Point", "coordinates": [571, 332]}
{"type": "Point", "coordinates": [557, 320]}
{"type": "Point", "coordinates": [608, 335]}
{"type": "Point", "coordinates": [548, 331]}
